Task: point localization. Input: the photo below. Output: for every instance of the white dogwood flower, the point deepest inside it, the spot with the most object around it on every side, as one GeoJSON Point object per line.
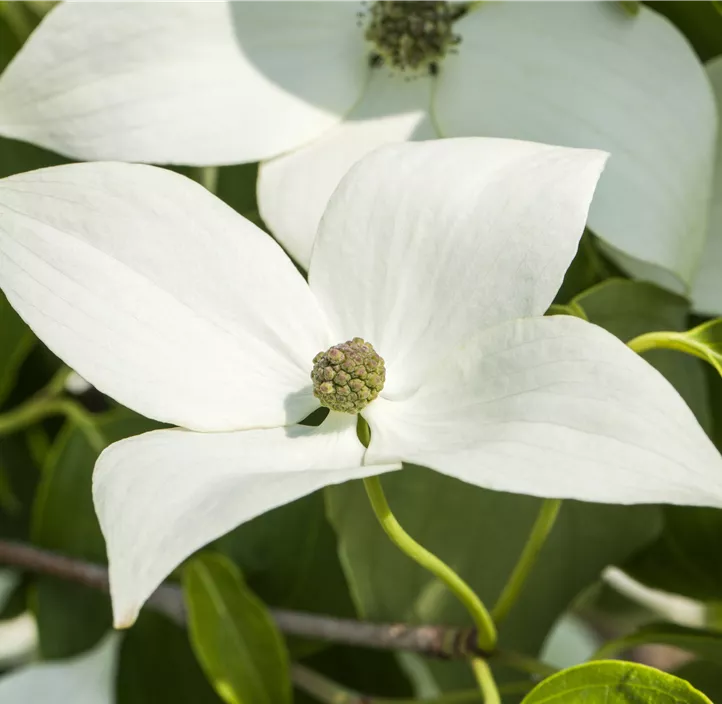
{"type": "Point", "coordinates": [312, 87]}
{"type": "Point", "coordinates": [442, 255]}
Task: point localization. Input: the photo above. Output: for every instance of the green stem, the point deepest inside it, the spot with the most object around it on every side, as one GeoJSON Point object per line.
{"type": "Point", "coordinates": [539, 533]}
{"type": "Point", "coordinates": [207, 176]}
{"type": "Point", "coordinates": [486, 630]}
{"type": "Point", "coordinates": [485, 680]}
{"type": "Point", "coordinates": [39, 408]}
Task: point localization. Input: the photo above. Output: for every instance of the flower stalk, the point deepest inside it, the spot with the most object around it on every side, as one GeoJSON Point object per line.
{"type": "Point", "coordinates": [486, 630]}
{"type": "Point", "coordinates": [543, 525]}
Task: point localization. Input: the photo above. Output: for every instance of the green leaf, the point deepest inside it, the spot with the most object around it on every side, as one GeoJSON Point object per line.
{"type": "Point", "coordinates": [628, 309]}
{"type": "Point", "coordinates": [289, 558]}
{"type": "Point", "coordinates": [685, 558]}
{"type": "Point", "coordinates": [614, 682]}
{"type": "Point", "coordinates": [705, 644]}
{"type": "Point", "coordinates": [72, 618]}
{"type": "Point", "coordinates": [157, 666]}
{"type": "Point", "coordinates": [480, 534]}
{"type": "Point", "coordinates": [233, 635]}
{"type": "Point", "coordinates": [16, 341]}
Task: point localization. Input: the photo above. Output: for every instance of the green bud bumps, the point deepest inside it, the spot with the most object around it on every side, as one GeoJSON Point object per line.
{"type": "Point", "coordinates": [347, 377]}
{"type": "Point", "coordinates": [413, 35]}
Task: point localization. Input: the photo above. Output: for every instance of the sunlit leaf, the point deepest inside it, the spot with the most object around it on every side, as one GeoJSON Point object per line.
{"type": "Point", "coordinates": [614, 682]}
{"type": "Point", "coordinates": [233, 635]}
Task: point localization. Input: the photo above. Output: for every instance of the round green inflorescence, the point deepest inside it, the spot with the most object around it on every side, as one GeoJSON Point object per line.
{"type": "Point", "coordinates": [413, 35]}
{"type": "Point", "coordinates": [347, 377]}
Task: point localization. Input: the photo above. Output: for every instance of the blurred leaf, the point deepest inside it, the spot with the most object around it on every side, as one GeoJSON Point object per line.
{"type": "Point", "coordinates": [614, 682]}
{"type": "Point", "coordinates": [373, 672]}
{"type": "Point", "coordinates": [685, 559]}
{"type": "Point", "coordinates": [71, 618]}
{"type": "Point", "coordinates": [237, 187]}
{"type": "Point", "coordinates": [289, 558]}
{"type": "Point", "coordinates": [705, 644]}
{"type": "Point", "coordinates": [16, 341]}
{"type": "Point", "coordinates": [705, 676]}
{"type": "Point", "coordinates": [700, 22]}
{"type": "Point", "coordinates": [23, 476]}
{"type": "Point", "coordinates": [630, 308]}
{"type": "Point", "coordinates": [480, 534]}
{"type": "Point", "coordinates": [157, 666]}
{"type": "Point", "coordinates": [233, 635]}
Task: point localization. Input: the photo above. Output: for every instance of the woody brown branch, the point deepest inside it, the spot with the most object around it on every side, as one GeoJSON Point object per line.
{"type": "Point", "coordinates": [432, 641]}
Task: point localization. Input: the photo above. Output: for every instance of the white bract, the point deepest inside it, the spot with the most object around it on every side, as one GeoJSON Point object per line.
{"type": "Point", "coordinates": [443, 254]}
{"type": "Point", "coordinates": [291, 83]}
{"type": "Point", "coordinates": [86, 679]}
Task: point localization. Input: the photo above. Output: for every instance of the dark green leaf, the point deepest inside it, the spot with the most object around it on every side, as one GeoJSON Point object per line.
{"type": "Point", "coordinates": [705, 676]}
{"type": "Point", "coordinates": [480, 534]}
{"type": "Point", "coordinates": [289, 558]}
{"type": "Point", "coordinates": [705, 644]}
{"type": "Point", "coordinates": [372, 672]}
{"type": "Point", "coordinates": [72, 618]}
{"type": "Point", "coordinates": [21, 474]}
{"type": "Point", "coordinates": [16, 340]}
{"type": "Point", "coordinates": [614, 682]}
{"type": "Point", "coordinates": [157, 666]}
{"type": "Point", "coordinates": [233, 635]}
{"type": "Point", "coordinates": [685, 559]}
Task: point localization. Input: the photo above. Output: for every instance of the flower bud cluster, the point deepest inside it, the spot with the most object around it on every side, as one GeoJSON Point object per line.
{"type": "Point", "coordinates": [348, 376]}
{"type": "Point", "coordinates": [412, 35]}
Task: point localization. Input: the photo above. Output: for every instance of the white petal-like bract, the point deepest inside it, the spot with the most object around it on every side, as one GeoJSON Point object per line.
{"type": "Point", "coordinates": [160, 295]}
{"type": "Point", "coordinates": [424, 244]}
{"type": "Point", "coordinates": [553, 407]}
{"type": "Point", "coordinates": [586, 74]}
{"type": "Point", "coordinates": [707, 288]}
{"type": "Point", "coordinates": [184, 82]}
{"type": "Point", "coordinates": [161, 496]}
{"type": "Point", "coordinates": [86, 679]}
{"type": "Point", "coordinates": [293, 189]}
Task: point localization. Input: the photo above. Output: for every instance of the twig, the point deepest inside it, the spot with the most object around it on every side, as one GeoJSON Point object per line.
{"type": "Point", "coordinates": [431, 641]}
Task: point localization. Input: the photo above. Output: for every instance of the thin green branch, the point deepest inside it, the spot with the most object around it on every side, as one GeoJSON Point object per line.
{"type": "Point", "coordinates": [524, 663]}
{"type": "Point", "coordinates": [486, 630]}
{"type": "Point", "coordinates": [485, 680]}
{"type": "Point", "coordinates": [539, 533]}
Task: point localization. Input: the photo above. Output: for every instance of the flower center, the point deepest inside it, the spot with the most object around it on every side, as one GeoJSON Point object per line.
{"type": "Point", "coordinates": [348, 376]}
{"type": "Point", "coordinates": [413, 35]}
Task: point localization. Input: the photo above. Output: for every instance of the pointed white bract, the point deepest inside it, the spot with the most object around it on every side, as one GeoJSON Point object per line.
{"type": "Point", "coordinates": [86, 679]}
{"type": "Point", "coordinates": [216, 83]}
{"type": "Point", "coordinates": [438, 253]}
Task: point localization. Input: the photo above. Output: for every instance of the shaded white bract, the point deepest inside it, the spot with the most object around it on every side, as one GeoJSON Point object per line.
{"type": "Point", "coordinates": [443, 254]}
{"type": "Point", "coordinates": [291, 83]}
{"type": "Point", "coordinates": [86, 679]}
